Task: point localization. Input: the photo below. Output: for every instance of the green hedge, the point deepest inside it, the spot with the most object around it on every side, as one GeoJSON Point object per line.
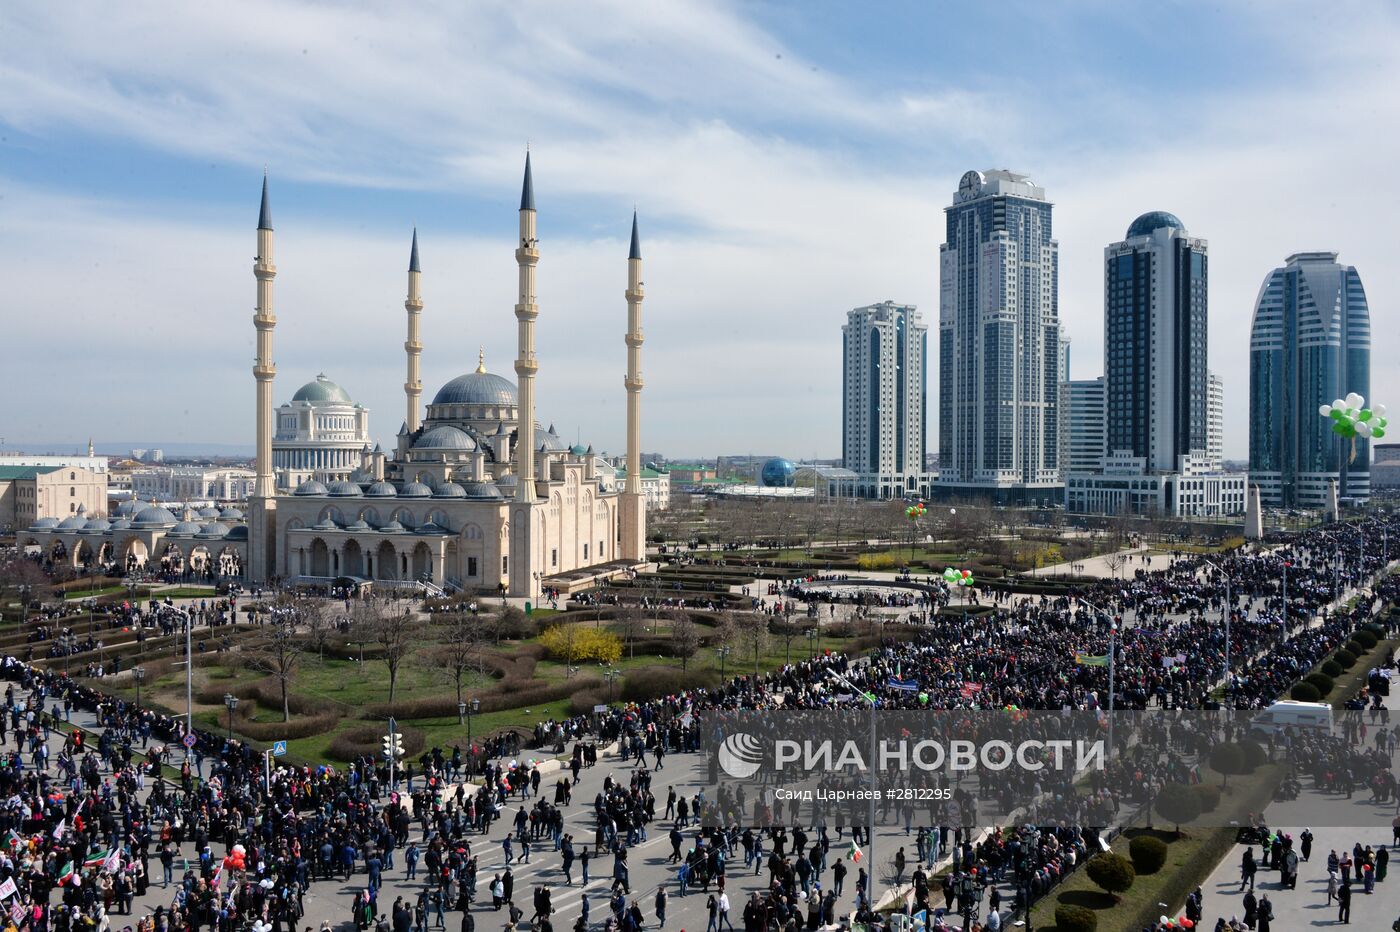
{"type": "Point", "coordinates": [1148, 854]}
{"type": "Point", "coordinates": [1305, 692]}
{"type": "Point", "coordinates": [1075, 919]}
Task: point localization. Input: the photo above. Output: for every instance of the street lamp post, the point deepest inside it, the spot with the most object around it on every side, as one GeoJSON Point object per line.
{"type": "Point", "coordinates": [231, 701]}
{"type": "Point", "coordinates": [873, 877]}
{"type": "Point", "coordinates": [723, 654]}
{"type": "Point", "coordinates": [611, 676]}
{"type": "Point", "coordinates": [138, 674]}
{"type": "Point", "coordinates": [470, 709]}
{"type": "Point", "coordinates": [1112, 659]}
{"type": "Point", "coordinates": [811, 643]}
{"type": "Point", "coordinates": [1229, 610]}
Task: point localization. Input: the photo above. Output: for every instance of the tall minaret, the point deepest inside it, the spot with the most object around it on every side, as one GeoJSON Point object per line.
{"type": "Point", "coordinates": [632, 514]}
{"type": "Point", "coordinates": [527, 256]}
{"type": "Point", "coordinates": [263, 503]}
{"type": "Point", "coordinates": [413, 387]}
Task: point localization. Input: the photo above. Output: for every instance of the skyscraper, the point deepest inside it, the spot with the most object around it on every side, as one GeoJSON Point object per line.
{"type": "Point", "coordinates": [999, 331]}
{"type": "Point", "coordinates": [885, 391]}
{"type": "Point", "coordinates": [1155, 326]}
{"type": "Point", "coordinates": [1310, 344]}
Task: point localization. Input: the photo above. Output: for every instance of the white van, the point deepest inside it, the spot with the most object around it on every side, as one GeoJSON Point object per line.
{"type": "Point", "coordinates": [1289, 713]}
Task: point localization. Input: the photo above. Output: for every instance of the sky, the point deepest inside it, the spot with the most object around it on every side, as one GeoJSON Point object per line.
{"type": "Point", "coordinates": [788, 161]}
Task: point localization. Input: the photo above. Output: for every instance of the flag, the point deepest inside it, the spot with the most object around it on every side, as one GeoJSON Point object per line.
{"type": "Point", "coordinates": [113, 861]}
{"type": "Point", "coordinates": [1088, 660]}
{"type": "Point", "coordinates": [65, 874]}
{"type": "Point", "coordinates": [855, 854]}
{"type": "Point", "coordinates": [58, 831]}
{"type": "Point", "coordinates": [96, 859]}
{"type": "Point", "coordinates": [13, 840]}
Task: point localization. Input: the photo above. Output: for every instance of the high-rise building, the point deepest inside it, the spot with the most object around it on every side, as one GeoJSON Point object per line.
{"type": "Point", "coordinates": [1215, 422]}
{"type": "Point", "coordinates": [1088, 441]}
{"type": "Point", "coordinates": [1155, 342]}
{"type": "Point", "coordinates": [999, 332]}
{"type": "Point", "coordinates": [1310, 344]}
{"type": "Point", "coordinates": [885, 390]}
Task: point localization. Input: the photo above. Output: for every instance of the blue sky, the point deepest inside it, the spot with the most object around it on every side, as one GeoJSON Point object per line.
{"type": "Point", "coordinates": [789, 161]}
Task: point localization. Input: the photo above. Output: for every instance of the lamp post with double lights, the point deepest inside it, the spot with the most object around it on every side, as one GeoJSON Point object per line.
{"type": "Point", "coordinates": [138, 674]}
{"type": "Point", "coordinates": [611, 676]}
{"type": "Point", "coordinates": [231, 702]}
{"type": "Point", "coordinates": [723, 654]}
{"type": "Point", "coordinates": [811, 643]}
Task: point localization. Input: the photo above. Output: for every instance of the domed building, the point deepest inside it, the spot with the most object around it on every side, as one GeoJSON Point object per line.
{"type": "Point", "coordinates": [321, 433]}
{"type": "Point", "coordinates": [476, 494]}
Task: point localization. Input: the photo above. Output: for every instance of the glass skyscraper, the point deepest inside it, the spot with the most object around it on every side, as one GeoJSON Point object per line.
{"type": "Point", "coordinates": [1155, 339]}
{"type": "Point", "coordinates": [885, 398]}
{"type": "Point", "coordinates": [1310, 344]}
{"type": "Point", "coordinates": [999, 333]}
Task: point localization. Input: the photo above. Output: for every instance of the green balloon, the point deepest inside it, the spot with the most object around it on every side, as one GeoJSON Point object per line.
{"type": "Point", "coordinates": [1379, 422]}
{"type": "Point", "coordinates": [1365, 415]}
{"type": "Point", "coordinates": [1337, 414]}
{"type": "Point", "coordinates": [1377, 433]}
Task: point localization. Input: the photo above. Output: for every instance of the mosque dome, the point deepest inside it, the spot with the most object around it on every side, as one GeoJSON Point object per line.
{"type": "Point", "coordinates": [777, 472]}
{"type": "Point", "coordinates": [311, 487]}
{"type": "Point", "coordinates": [482, 491]}
{"type": "Point", "coordinates": [549, 440]}
{"type": "Point", "coordinates": [508, 482]}
{"type": "Point", "coordinates": [1154, 220]}
{"type": "Point", "coordinates": [44, 524]}
{"type": "Point", "coordinates": [72, 523]}
{"type": "Point", "coordinates": [97, 525]}
{"type": "Point", "coordinates": [121, 524]}
{"type": "Point", "coordinates": [445, 437]}
{"type": "Point", "coordinates": [343, 489]}
{"type": "Point", "coordinates": [381, 490]}
{"type": "Point", "coordinates": [184, 529]}
{"type": "Point", "coordinates": [210, 531]}
{"type": "Point", "coordinates": [414, 490]}
{"type": "Point", "coordinates": [578, 449]}
{"type": "Point", "coordinates": [322, 391]}
{"type": "Point", "coordinates": [449, 490]}
{"type": "Point", "coordinates": [129, 507]}
{"type": "Point", "coordinates": [237, 532]}
{"type": "Point", "coordinates": [231, 514]}
{"type": "Point", "coordinates": [207, 513]}
{"type": "Point", "coordinates": [393, 527]}
{"type": "Point", "coordinates": [477, 388]}
{"type": "Point", "coordinates": [153, 516]}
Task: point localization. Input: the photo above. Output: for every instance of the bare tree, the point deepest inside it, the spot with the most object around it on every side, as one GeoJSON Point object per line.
{"type": "Point", "coordinates": [789, 631]}
{"type": "Point", "coordinates": [459, 646]}
{"type": "Point", "coordinates": [684, 636]}
{"type": "Point", "coordinates": [394, 631]}
{"type": "Point", "coordinates": [319, 625]}
{"type": "Point", "coordinates": [277, 646]}
{"type": "Point", "coordinates": [753, 633]}
{"type": "Point", "coordinates": [631, 624]}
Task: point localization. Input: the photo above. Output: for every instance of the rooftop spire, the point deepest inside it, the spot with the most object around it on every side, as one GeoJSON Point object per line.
{"type": "Point", "coordinates": [636, 252]}
{"type": "Point", "coordinates": [527, 193]}
{"type": "Point", "coordinates": [481, 360]}
{"type": "Point", "coordinates": [265, 214]}
{"type": "Point", "coordinates": [413, 256]}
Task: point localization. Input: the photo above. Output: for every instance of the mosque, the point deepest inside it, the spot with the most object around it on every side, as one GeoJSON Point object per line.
{"type": "Point", "coordinates": [476, 494]}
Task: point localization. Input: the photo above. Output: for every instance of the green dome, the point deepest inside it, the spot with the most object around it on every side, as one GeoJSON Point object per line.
{"type": "Point", "coordinates": [322, 391]}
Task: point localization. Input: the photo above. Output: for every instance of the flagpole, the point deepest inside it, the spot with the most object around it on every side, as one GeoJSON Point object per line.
{"type": "Point", "coordinates": [870, 837]}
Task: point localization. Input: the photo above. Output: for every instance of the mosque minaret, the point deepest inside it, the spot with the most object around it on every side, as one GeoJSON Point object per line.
{"type": "Point", "coordinates": [413, 386]}
{"type": "Point", "coordinates": [264, 503]}
{"type": "Point", "coordinates": [633, 502]}
{"type": "Point", "coordinates": [527, 256]}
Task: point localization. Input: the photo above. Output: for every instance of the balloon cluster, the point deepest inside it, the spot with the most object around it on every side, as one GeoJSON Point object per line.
{"type": "Point", "coordinates": [957, 577]}
{"type": "Point", "coordinates": [915, 512]}
{"type": "Point", "coordinates": [1351, 418]}
{"type": "Point", "coordinates": [1169, 923]}
{"type": "Point", "coordinates": [237, 859]}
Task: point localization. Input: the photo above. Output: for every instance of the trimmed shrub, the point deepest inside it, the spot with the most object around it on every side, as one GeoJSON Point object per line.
{"type": "Point", "coordinates": [1332, 668]}
{"type": "Point", "coordinates": [1177, 804]}
{"type": "Point", "coordinates": [1254, 754]}
{"type": "Point", "coordinates": [582, 703]}
{"type": "Point", "coordinates": [1366, 639]}
{"type": "Point", "coordinates": [1345, 658]}
{"type": "Point", "coordinates": [1304, 692]}
{"type": "Point", "coordinates": [368, 740]}
{"type": "Point", "coordinates": [657, 681]}
{"type": "Point", "coordinates": [1112, 872]}
{"type": "Point", "coordinates": [1075, 919]}
{"type": "Point", "coordinates": [1357, 648]}
{"type": "Point", "coordinates": [1148, 854]}
{"type": "Point", "coordinates": [1209, 795]}
{"type": "Point", "coordinates": [1322, 681]}
{"type": "Point", "coordinates": [1227, 759]}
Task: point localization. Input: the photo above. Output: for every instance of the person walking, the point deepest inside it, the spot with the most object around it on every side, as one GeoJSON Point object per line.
{"type": "Point", "coordinates": [1344, 904]}
{"type": "Point", "coordinates": [659, 907]}
{"type": "Point", "coordinates": [1266, 913]}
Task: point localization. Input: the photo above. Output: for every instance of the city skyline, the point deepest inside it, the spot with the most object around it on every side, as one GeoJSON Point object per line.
{"type": "Point", "coordinates": [130, 177]}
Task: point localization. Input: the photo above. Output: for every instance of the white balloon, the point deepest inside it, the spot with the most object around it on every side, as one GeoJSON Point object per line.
{"type": "Point", "coordinates": [1355, 401]}
{"type": "Point", "coordinates": [1325, 410]}
{"type": "Point", "coordinates": [1363, 428]}
{"type": "Point", "coordinates": [1378, 410]}
{"type": "Point", "coordinates": [1339, 403]}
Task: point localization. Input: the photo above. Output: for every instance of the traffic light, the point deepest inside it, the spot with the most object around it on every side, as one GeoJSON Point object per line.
{"type": "Point", "coordinates": [393, 746]}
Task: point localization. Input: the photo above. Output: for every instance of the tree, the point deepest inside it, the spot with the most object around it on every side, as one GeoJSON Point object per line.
{"type": "Point", "coordinates": [1177, 803]}
{"type": "Point", "coordinates": [1111, 872]}
{"type": "Point", "coordinates": [277, 647]}
{"type": "Point", "coordinates": [631, 624]}
{"type": "Point", "coordinates": [788, 630]}
{"type": "Point", "coordinates": [394, 631]}
{"type": "Point", "coordinates": [685, 637]}
{"type": "Point", "coordinates": [458, 646]}
{"type": "Point", "coordinates": [1227, 759]}
{"type": "Point", "coordinates": [319, 626]}
{"type": "Point", "coordinates": [753, 633]}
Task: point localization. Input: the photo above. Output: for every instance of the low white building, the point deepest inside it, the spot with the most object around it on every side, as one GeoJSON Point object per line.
{"type": "Point", "coordinates": [321, 434]}
{"type": "Point", "coordinates": [192, 484]}
{"type": "Point", "coordinates": [90, 462]}
{"type": "Point", "coordinates": [1125, 486]}
{"type": "Point", "coordinates": [656, 486]}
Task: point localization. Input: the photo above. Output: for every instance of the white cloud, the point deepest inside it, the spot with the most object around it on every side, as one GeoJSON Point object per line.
{"type": "Point", "coordinates": [781, 196]}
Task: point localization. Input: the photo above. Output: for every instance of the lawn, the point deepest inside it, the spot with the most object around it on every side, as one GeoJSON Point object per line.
{"type": "Point", "coordinates": [93, 593]}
